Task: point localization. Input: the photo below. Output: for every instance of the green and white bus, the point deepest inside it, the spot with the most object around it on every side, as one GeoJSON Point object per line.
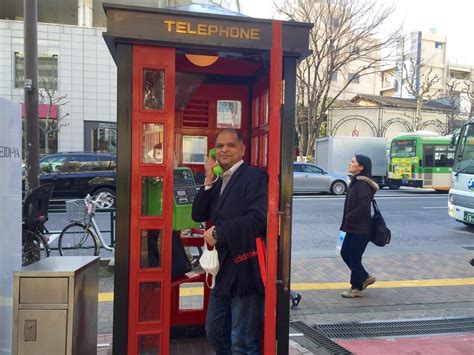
{"type": "Point", "coordinates": [421, 159]}
{"type": "Point", "coordinates": [461, 195]}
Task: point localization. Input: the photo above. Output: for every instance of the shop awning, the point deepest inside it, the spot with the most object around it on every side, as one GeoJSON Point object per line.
{"type": "Point", "coordinates": [43, 111]}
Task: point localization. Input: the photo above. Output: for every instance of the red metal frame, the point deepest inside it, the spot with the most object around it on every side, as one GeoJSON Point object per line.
{"type": "Point", "coordinates": [273, 189]}
{"type": "Point", "coordinates": [153, 58]}
{"type": "Point", "coordinates": [265, 131]}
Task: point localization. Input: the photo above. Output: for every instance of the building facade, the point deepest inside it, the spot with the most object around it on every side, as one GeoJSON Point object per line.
{"type": "Point", "coordinates": [74, 67]}
{"type": "Point", "coordinates": [421, 56]}
{"type": "Point", "coordinates": [380, 116]}
{"type": "Point", "coordinates": [75, 63]}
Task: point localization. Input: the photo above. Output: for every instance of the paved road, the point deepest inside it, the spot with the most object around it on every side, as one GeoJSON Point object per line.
{"type": "Point", "coordinates": [417, 219]}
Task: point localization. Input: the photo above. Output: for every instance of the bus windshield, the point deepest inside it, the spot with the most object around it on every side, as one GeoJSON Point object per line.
{"type": "Point", "coordinates": [464, 159]}
{"type": "Point", "coordinates": [403, 148]}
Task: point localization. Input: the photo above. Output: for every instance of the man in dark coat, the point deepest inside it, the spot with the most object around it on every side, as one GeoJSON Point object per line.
{"type": "Point", "coordinates": [236, 206]}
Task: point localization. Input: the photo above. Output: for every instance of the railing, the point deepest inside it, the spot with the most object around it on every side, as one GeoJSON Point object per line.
{"type": "Point", "coordinates": [111, 229]}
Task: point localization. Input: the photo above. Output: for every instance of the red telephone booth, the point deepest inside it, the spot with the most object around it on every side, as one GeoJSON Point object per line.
{"type": "Point", "coordinates": [183, 76]}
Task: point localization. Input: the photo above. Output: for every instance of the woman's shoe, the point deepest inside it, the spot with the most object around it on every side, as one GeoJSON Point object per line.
{"type": "Point", "coordinates": [296, 301]}
{"type": "Point", "coordinates": [352, 293]}
{"type": "Point", "coordinates": [368, 281]}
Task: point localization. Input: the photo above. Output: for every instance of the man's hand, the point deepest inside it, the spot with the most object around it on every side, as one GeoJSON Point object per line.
{"type": "Point", "coordinates": [209, 163]}
{"type": "Point", "coordinates": [209, 238]}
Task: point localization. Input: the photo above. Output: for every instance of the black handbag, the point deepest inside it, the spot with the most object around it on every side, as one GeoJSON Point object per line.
{"type": "Point", "coordinates": [381, 235]}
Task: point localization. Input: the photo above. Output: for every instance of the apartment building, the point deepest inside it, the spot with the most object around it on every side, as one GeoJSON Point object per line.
{"type": "Point", "coordinates": [421, 56]}
{"type": "Point", "coordinates": [369, 83]}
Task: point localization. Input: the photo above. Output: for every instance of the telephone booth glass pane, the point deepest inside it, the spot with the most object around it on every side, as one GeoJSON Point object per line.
{"type": "Point", "coordinates": [150, 248]}
{"type": "Point", "coordinates": [194, 149]}
{"type": "Point", "coordinates": [152, 145]}
{"type": "Point", "coordinates": [152, 195]}
{"type": "Point", "coordinates": [256, 111]}
{"type": "Point", "coordinates": [153, 89]}
{"type": "Point", "coordinates": [265, 108]}
{"type": "Point", "coordinates": [265, 149]}
{"type": "Point", "coordinates": [149, 309]}
{"type": "Point", "coordinates": [149, 344]}
{"type": "Point", "coordinates": [229, 114]}
{"type": "Point", "coordinates": [255, 151]}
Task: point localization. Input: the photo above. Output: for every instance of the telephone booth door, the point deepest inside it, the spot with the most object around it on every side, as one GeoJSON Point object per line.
{"type": "Point", "coordinates": [152, 162]}
{"type": "Point", "coordinates": [255, 70]}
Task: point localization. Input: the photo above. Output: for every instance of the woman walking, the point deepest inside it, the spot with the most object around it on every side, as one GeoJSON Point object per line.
{"type": "Point", "coordinates": [356, 223]}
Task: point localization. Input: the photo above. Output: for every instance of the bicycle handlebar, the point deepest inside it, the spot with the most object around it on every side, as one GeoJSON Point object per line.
{"type": "Point", "coordinates": [89, 199]}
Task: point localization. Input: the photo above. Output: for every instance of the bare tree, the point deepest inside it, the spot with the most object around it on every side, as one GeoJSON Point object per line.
{"type": "Point", "coordinates": [347, 34]}
{"type": "Point", "coordinates": [470, 95]}
{"type": "Point", "coordinates": [48, 96]}
{"type": "Point", "coordinates": [452, 98]}
{"type": "Point", "coordinates": [228, 4]}
{"type": "Point", "coordinates": [421, 88]}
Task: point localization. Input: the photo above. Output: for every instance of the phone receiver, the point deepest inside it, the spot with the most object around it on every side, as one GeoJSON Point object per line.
{"type": "Point", "coordinates": [217, 170]}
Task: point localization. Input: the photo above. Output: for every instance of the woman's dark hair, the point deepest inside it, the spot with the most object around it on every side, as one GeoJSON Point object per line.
{"type": "Point", "coordinates": [366, 163]}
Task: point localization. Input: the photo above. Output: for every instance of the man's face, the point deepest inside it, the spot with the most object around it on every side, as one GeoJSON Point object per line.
{"type": "Point", "coordinates": [229, 150]}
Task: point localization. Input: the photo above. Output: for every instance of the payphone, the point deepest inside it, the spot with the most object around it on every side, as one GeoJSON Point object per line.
{"type": "Point", "coordinates": [184, 192]}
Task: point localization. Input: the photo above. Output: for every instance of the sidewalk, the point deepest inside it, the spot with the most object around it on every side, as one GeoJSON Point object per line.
{"type": "Point", "coordinates": [408, 287]}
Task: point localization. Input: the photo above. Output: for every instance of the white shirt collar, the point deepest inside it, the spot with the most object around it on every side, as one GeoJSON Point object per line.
{"type": "Point", "coordinates": [232, 170]}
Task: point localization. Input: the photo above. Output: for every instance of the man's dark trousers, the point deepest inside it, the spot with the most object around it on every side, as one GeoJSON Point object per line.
{"type": "Point", "coordinates": [243, 315]}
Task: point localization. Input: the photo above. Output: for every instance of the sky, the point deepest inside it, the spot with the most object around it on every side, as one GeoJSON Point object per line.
{"type": "Point", "coordinates": [452, 18]}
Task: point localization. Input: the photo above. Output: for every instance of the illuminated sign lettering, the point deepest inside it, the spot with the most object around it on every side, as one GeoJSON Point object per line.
{"type": "Point", "coordinates": [204, 29]}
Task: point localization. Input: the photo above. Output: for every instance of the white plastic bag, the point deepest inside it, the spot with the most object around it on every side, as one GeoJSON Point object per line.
{"type": "Point", "coordinates": [340, 240]}
{"type": "Point", "coordinates": [210, 263]}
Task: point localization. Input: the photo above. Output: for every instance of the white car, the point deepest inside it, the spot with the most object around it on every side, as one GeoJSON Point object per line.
{"type": "Point", "coordinates": [311, 178]}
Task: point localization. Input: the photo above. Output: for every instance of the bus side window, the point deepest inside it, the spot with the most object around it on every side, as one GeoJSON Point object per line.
{"type": "Point", "coordinates": [428, 156]}
{"type": "Point", "coordinates": [443, 161]}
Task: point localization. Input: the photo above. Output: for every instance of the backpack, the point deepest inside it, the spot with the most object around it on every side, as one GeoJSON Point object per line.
{"type": "Point", "coordinates": [380, 235]}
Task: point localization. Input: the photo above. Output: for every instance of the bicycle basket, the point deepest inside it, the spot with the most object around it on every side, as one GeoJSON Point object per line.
{"type": "Point", "coordinates": [76, 210]}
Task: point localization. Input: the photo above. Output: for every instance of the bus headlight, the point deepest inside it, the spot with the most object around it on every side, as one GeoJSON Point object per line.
{"type": "Point", "coordinates": [451, 198]}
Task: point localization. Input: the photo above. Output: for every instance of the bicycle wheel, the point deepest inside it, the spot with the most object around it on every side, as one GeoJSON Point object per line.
{"type": "Point", "coordinates": [75, 239]}
{"type": "Point", "coordinates": [34, 247]}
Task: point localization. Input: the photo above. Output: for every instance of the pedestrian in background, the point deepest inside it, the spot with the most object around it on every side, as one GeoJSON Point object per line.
{"type": "Point", "coordinates": [356, 223]}
{"type": "Point", "coordinates": [295, 299]}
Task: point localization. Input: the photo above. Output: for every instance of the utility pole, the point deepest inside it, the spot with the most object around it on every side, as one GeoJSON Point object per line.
{"type": "Point", "coordinates": [31, 94]}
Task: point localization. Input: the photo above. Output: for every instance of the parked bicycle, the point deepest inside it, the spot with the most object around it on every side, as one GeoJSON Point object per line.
{"type": "Point", "coordinates": [35, 214]}
{"type": "Point", "coordinates": [82, 236]}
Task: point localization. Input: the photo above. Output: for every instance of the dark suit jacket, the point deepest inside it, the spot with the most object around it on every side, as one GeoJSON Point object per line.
{"type": "Point", "coordinates": [240, 215]}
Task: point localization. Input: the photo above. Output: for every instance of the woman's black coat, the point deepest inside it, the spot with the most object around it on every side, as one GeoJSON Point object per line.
{"type": "Point", "coordinates": [357, 206]}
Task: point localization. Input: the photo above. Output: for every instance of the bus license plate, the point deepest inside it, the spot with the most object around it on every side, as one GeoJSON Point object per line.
{"type": "Point", "coordinates": [469, 217]}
